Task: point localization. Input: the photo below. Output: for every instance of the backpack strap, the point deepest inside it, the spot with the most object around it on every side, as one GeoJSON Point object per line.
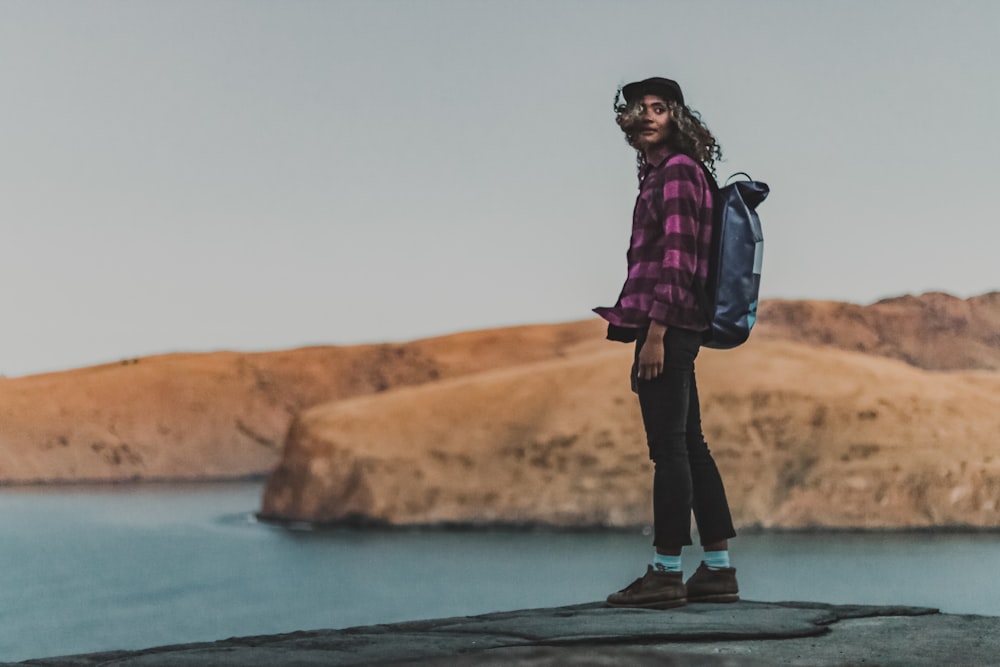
{"type": "Point", "coordinates": [711, 179]}
{"type": "Point", "coordinates": [700, 291]}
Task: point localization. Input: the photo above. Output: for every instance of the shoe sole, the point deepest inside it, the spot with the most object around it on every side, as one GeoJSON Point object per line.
{"type": "Point", "coordinates": [721, 597]}
{"type": "Point", "coordinates": [662, 604]}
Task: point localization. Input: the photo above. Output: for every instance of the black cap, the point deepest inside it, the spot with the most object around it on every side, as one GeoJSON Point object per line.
{"type": "Point", "coordinates": [668, 89]}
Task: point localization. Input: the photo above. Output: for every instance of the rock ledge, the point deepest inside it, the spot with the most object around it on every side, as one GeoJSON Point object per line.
{"type": "Point", "coordinates": [745, 633]}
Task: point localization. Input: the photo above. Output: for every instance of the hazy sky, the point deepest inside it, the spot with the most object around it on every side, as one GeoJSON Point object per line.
{"type": "Point", "coordinates": [208, 175]}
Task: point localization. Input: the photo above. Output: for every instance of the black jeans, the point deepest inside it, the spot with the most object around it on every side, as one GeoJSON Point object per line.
{"type": "Point", "coordinates": [686, 477]}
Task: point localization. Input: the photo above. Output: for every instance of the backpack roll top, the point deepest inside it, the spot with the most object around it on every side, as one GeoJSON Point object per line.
{"type": "Point", "coordinates": [752, 193]}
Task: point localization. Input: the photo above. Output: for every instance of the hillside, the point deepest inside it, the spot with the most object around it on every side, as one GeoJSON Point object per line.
{"type": "Point", "coordinates": [935, 331]}
{"type": "Point", "coordinates": [223, 414]}
{"type": "Point", "coordinates": [833, 415]}
{"type": "Point", "coordinates": [805, 437]}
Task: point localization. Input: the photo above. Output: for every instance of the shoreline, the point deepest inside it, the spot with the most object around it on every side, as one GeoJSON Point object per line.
{"type": "Point", "coordinates": [60, 484]}
{"type": "Point", "coordinates": [368, 524]}
{"type": "Point", "coordinates": [365, 524]}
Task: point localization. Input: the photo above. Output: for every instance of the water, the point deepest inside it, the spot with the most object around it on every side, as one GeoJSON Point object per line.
{"type": "Point", "coordinates": [86, 570]}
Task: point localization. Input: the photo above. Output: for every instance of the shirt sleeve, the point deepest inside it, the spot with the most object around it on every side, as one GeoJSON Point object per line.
{"type": "Point", "coordinates": [682, 200]}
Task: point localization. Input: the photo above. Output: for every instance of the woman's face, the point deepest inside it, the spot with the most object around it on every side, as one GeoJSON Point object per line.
{"type": "Point", "coordinates": [653, 125]}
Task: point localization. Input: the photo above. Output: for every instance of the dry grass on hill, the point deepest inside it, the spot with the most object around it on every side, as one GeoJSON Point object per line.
{"type": "Point", "coordinates": [223, 414]}
{"type": "Point", "coordinates": [805, 437]}
{"type": "Point", "coordinates": [537, 423]}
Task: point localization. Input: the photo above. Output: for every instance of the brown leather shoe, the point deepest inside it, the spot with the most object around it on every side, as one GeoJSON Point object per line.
{"type": "Point", "coordinates": [708, 585]}
{"type": "Point", "coordinates": [653, 590]}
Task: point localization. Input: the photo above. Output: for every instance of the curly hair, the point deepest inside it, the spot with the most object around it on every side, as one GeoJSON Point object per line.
{"type": "Point", "coordinates": [688, 132]}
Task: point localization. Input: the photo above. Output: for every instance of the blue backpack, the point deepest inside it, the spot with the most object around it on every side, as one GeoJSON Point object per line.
{"type": "Point", "coordinates": [729, 297]}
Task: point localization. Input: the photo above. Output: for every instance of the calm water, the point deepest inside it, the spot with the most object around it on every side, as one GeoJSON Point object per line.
{"type": "Point", "coordinates": [99, 569]}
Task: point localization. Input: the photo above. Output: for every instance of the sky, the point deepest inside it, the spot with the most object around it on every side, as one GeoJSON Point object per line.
{"type": "Point", "coordinates": [198, 175]}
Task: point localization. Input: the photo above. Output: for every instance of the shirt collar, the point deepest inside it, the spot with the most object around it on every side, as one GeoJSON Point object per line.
{"type": "Point", "coordinates": [657, 157]}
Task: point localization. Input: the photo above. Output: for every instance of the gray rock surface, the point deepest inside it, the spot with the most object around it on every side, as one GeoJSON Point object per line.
{"type": "Point", "coordinates": [745, 633]}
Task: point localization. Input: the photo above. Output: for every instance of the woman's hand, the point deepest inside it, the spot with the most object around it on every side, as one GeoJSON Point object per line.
{"type": "Point", "coordinates": [651, 353]}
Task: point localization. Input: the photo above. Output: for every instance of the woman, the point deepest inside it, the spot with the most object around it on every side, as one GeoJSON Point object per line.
{"type": "Point", "coordinates": [660, 310]}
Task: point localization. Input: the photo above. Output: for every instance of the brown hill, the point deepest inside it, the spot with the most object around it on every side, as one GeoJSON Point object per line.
{"type": "Point", "coordinates": [934, 330]}
{"type": "Point", "coordinates": [804, 436]}
{"type": "Point", "coordinates": [224, 414]}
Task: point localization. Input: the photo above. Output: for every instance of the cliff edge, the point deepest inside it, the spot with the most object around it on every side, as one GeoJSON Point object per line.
{"type": "Point", "coordinates": [805, 437]}
{"type": "Point", "coordinates": [834, 415]}
{"type": "Point", "coordinates": [698, 635]}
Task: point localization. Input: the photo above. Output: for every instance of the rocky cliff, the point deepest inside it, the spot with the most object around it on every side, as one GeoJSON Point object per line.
{"type": "Point", "coordinates": [833, 415]}
{"type": "Point", "coordinates": [805, 437]}
{"type": "Point", "coordinates": [806, 434]}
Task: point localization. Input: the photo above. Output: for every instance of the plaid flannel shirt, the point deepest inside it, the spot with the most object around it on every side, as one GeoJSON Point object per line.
{"type": "Point", "coordinates": [670, 245]}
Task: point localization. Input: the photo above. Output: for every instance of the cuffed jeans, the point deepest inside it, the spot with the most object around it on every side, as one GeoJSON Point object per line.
{"type": "Point", "coordinates": [686, 477]}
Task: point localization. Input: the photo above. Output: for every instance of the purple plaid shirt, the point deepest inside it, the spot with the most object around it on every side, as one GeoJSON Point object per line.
{"type": "Point", "coordinates": [671, 241]}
